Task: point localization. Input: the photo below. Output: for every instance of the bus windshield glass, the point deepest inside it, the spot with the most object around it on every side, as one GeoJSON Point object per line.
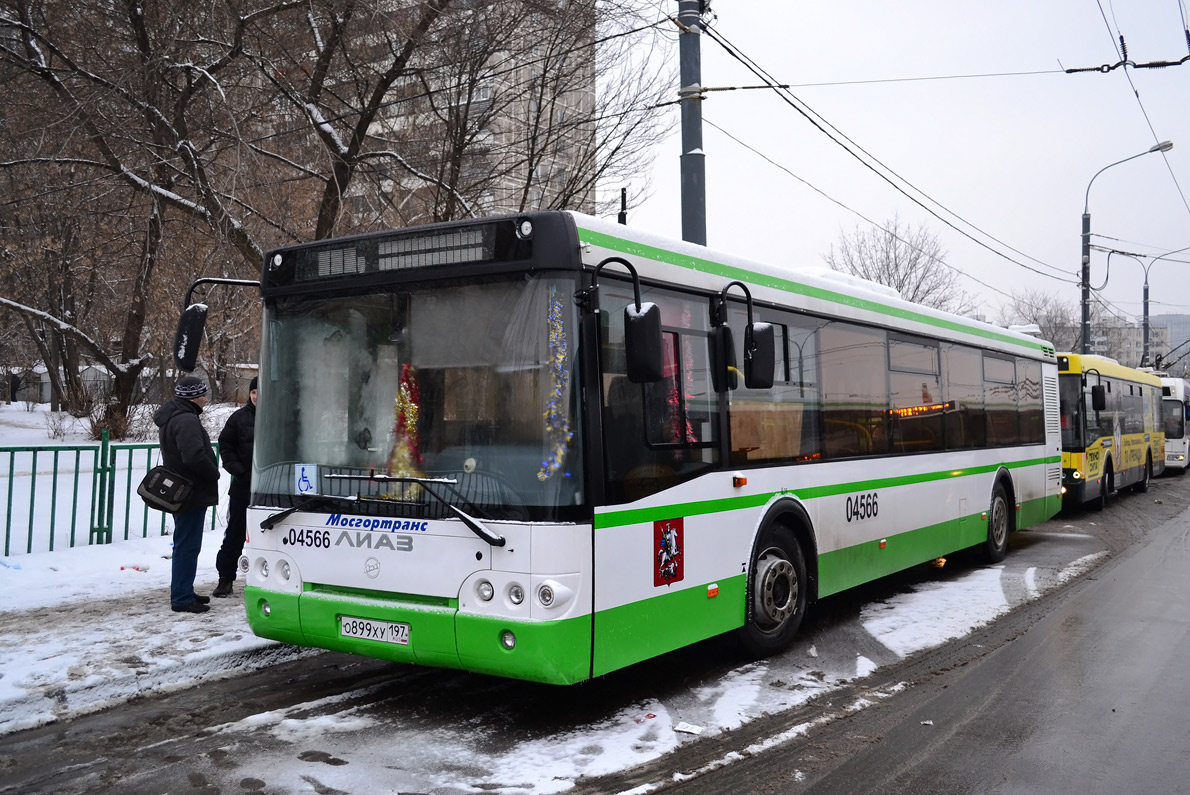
{"type": "Point", "coordinates": [1173, 416]}
{"type": "Point", "coordinates": [384, 396]}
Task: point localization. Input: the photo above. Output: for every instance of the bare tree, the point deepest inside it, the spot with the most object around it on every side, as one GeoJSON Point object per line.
{"type": "Point", "coordinates": [1057, 319]}
{"type": "Point", "coordinates": [910, 260]}
{"type": "Point", "coordinates": [192, 135]}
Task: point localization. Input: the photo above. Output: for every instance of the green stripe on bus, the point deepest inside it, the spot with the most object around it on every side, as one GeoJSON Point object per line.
{"type": "Point", "coordinates": [643, 515]}
{"type": "Point", "coordinates": [671, 620]}
{"type": "Point", "coordinates": [733, 272]}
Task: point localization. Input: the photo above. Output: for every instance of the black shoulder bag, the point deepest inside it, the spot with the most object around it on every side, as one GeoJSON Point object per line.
{"type": "Point", "coordinates": [164, 490]}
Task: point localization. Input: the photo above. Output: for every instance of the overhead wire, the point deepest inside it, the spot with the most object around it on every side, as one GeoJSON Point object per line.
{"type": "Point", "coordinates": [1122, 52]}
{"type": "Point", "coordinates": [852, 210]}
{"type": "Point", "coordinates": [820, 123]}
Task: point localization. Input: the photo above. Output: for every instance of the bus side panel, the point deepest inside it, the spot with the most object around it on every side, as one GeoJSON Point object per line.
{"type": "Point", "coordinates": [845, 568]}
{"type": "Point", "coordinates": [670, 570]}
{"type": "Point", "coordinates": [639, 631]}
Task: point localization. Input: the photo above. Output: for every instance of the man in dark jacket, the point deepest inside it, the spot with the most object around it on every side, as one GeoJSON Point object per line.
{"type": "Point", "coordinates": [186, 449]}
{"type": "Point", "coordinates": [235, 448]}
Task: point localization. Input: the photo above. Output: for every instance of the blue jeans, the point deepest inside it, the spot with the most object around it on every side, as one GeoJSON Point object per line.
{"type": "Point", "coordinates": [187, 544]}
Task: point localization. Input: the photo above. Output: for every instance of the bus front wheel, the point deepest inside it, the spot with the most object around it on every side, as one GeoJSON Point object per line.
{"type": "Point", "coordinates": [1105, 489]}
{"type": "Point", "coordinates": [999, 523]}
{"type": "Point", "coordinates": [776, 593]}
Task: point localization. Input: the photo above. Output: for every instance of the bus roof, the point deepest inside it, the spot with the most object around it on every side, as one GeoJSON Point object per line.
{"type": "Point", "coordinates": [812, 288]}
{"type": "Point", "coordinates": [1085, 362]}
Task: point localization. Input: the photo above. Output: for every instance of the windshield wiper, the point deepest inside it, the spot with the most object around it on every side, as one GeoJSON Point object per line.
{"type": "Point", "coordinates": [271, 521]}
{"type": "Point", "coordinates": [473, 524]}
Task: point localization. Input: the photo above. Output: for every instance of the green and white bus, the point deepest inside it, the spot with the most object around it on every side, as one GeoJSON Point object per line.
{"type": "Point", "coordinates": [547, 446]}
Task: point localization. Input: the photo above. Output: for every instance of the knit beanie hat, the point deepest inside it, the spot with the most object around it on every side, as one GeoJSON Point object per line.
{"type": "Point", "coordinates": [252, 384]}
{"type": "Point", "coordinates": [190, 387]}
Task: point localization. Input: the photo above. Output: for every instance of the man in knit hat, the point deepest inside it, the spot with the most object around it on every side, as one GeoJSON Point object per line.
{"type": "Point", "coordinates": [235, 448]}
{"type": "Point", "coordinates": [186, 450]}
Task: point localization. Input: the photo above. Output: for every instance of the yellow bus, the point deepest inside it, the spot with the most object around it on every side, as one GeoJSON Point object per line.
{"type": "Point", "coordinates": [1112, 436]}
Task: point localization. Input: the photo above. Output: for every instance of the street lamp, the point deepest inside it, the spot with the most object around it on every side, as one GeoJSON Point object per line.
{"type": "Point", "coordinates": [1144, 356]}
{"type": "Point", "coordinates": [1164, 146]}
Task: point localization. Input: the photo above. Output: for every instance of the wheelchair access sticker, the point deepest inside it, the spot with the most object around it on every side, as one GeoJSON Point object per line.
{"type": "Point", "coordinates": [305, 479]}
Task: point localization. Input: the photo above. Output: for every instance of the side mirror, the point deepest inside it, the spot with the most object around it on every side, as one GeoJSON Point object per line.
{"type": "Point", "coordinates": [1099, 397]}
{"type": "Point", "coordinates": [643, 345]}
{"type": "Point", "coordinates": [760, 355]}
{"type": "Point", "coordinates": [189, 336]}
{"type": "Point", "coordinates": [724, 375]}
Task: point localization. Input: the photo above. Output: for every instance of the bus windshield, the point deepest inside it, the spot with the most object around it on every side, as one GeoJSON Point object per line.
{"type": "Point", "coordinates": [1173, 416]}
{"type": "Point", "coordinates": [471, 381]}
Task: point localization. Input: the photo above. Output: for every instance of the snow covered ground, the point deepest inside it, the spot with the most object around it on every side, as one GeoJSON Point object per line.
{"type": "Point", "coordinates": [90, 627]}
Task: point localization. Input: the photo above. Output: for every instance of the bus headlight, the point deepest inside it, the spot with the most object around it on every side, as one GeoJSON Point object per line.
{"type": "Point", "coordinates": [283, 569]}
{"type": "Point", "coordinates": [552, 593]}
{"type": "Point", "coordinates": [262, 568]}
{"type": "Point", "coordinates": [508, 640]}
{"type": "Point", "coordinates": [516, 594]}
{"type": "Point", "coordinates": [1076, 474]}
{"type": "Point", "coordinates": [485, 590]}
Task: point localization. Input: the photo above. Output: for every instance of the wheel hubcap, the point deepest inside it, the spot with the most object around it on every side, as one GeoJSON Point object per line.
{"type": "Point", "coordinates": [776, 589]}
{"type": "Point", "coordinates": [999, 523]}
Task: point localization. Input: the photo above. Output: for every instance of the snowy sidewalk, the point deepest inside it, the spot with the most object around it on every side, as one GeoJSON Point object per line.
{"type": "Point", "coordinates": [87, 628]}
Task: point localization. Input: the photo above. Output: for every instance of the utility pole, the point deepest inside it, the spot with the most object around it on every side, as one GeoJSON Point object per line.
{"type": "Point", "coordinates": [694, 172]}
{"type": "Point", "coordinates": [1085, 332]}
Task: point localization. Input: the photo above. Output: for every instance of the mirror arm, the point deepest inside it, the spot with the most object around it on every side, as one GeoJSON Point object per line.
{"type": "Point", "coordinates": [217, 280]}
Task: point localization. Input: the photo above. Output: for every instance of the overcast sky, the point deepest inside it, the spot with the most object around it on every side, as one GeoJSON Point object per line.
{"type": "Point", "coordinates": [969, 103]}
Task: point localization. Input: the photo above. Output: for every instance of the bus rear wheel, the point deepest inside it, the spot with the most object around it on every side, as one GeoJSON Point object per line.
{"type": "Point", "coordinates": [999, 524]}
{"type": "Point", "coordinates": [776, 593]}
{"type": "Point", "coordinates": [1143, 486]}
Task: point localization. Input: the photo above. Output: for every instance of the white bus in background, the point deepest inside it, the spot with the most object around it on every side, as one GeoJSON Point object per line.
{"type": "Point", "coordinates": [1175, 400]}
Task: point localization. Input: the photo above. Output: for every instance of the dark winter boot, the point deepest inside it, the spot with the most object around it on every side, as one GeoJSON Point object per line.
{"type": "Point", "coordinates": [223, 588]}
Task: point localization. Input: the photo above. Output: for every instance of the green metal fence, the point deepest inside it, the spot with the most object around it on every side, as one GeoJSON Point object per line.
{"type": "Point", "coordinates": [74, 495]}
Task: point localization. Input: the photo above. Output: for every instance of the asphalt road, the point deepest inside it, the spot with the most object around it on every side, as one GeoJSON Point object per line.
{"type": "Point", "coordinates": [1023, 704]}
{"type": "Point", "coordinates": [1082, 692]}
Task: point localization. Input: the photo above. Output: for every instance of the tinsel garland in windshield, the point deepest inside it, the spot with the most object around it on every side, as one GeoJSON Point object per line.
{"type": "Point", "coordinates": [557, 425]}
{"type": "Point", "coordinates": [406, 458]}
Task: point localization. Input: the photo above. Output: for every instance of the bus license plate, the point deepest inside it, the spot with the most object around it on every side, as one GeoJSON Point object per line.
{"type": "Point", "coordinates": [369, 629]}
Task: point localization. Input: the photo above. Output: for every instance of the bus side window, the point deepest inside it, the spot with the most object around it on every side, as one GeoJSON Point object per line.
{"type": "Point", "coordinates": [999, 388]}
{"type": "Point", "coordinates": [965, 424]}
{"type": "Point", "coordinates": [854, 390]}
